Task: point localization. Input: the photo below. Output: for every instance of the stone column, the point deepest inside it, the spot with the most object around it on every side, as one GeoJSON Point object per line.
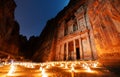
{"type": "Point", "coordinates": [74, 50]}
{"type": "Point", "coordinates": [67, 51]}
{"type": "Point", "coordinates": [59, 54]}
{"type": "Point", "coordinates": [81, 49]}
{"type": "Point", "coordinates": [62, 52]}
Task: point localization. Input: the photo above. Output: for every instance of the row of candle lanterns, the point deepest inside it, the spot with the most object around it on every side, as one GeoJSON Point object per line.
{"type": "Point", "coordinates": [67, 65]}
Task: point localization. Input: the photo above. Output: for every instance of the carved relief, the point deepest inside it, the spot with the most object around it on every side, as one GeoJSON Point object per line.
{"type": "Point", "coordinates": [70, 26]}
{"type": "Point", "coordinates": [61, 30]}
{"type": "Point", "coordinates": [102, 18]}
{"type": "Point", "coordinates": [80, 10]}
{"type": "Point", "coordinates": [80, 18]}
{"type": "Point", "coordinates": [81, 24]}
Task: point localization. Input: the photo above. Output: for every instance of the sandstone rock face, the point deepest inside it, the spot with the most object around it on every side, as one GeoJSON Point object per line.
{"type": "Point", "coordinates": [104, 16]}
{"type": "Point", "coordinates": [9, 28]}
{"type": "Point", "coordinates": [45, 48]}
{"type": "Point", "coordinates": [103, 20]}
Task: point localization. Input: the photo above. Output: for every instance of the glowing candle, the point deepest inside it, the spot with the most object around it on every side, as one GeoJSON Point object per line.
{"type": "Point", "coordinates": [88, 69]}
{"type": "Point", "coordinates": [47, 66]}
{"type": "Point", "coordinates": [66, 66]}
{"type": "Point", "coordinates": [94, 65]}
{"type": "Point", "coordinates": [43, 73]}
{"type": "Point", "coordinates": [41, 68]}
{"type": "Point", "coordinates": [11, 71]}
{"type": "Point", "coordinates": [72, 69]}
{"type": "Point", "coordinates": [62, 65]}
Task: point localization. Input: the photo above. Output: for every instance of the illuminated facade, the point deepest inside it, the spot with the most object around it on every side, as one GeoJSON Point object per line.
{"type": "Point", "coordinates": [83, 30]}
{"type": "Point", "coordinates": [75, 37]}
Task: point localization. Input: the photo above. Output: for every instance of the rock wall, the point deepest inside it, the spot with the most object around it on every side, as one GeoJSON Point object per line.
{"type": "Point", "coordinates": [45, 47]}
{"type": "Point", "coordinates": [104, 17]}
{"type": "Point", "coordinates": [9, 28]}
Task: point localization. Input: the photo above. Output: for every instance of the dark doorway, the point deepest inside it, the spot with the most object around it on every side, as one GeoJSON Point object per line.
{"type": "Point", "coordinates": [77, 54]}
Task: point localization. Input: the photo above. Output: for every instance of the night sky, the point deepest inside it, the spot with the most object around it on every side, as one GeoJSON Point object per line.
{"type": "Point", "coordinates": [32, 15]}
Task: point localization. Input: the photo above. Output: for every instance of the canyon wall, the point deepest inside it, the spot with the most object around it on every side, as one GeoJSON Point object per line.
{"type": "Point", "coordinates": [9, 28]}
{"type": "Point", "coordinates": [45, 47]}
{"type": "Point", "coordinates": [104, 17]}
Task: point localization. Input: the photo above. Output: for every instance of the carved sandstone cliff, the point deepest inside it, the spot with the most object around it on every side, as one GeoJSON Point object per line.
{"type": "Point", "coordinates": [9, 28]}
{"type": "Point", "coordinates": [45, 47]}
{"type": "Point", "coordinates": [104, 16]}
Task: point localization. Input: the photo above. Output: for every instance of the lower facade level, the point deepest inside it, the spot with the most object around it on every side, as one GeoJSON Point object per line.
{"type": "Point", "coordinates": [76, 47]}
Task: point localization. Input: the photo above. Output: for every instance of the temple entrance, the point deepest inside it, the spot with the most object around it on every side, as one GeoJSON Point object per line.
{"type": "Point", "coordinates": [77, 54]}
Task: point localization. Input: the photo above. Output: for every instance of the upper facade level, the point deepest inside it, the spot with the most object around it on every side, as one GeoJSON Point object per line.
{"type": "Point", "coordinates": [76, 23]}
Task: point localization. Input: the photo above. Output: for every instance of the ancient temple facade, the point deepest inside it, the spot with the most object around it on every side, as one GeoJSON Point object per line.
{"type": "Point", "coordinates": [89, 30]}
{"type": "Point", "coordinates": [83, 30]}
{"type": "Point", "coordinates": [75, 37]}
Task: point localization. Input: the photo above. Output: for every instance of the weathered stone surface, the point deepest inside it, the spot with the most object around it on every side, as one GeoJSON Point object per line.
{"type": "Point", "coordinates": [104, 16]}
{"type": "Point", "coordinates": [100, 24]}
{"type": "Point", "coordinates": [9, 28]}
{"type": "Point", "coordinates": [45, 48]}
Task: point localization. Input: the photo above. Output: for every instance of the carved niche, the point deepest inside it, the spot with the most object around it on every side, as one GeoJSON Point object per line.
{"type": "Point", "coordinates": [80, 18]}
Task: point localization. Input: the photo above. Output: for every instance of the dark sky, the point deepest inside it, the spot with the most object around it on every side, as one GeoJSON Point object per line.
{"type": "Point", "coordinates": [32, 15]}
